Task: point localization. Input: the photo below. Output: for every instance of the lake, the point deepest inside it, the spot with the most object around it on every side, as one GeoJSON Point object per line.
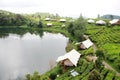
{"type": "Point", "coordinates": [20, 55]}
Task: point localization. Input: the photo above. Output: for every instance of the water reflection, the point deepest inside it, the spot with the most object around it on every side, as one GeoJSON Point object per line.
{"type": "Point", "coordinates": [29, 53]}
{"type": "Point", "coordinates": [4, 32]}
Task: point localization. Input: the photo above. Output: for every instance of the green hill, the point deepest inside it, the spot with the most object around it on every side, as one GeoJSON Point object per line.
{"type": "Point", "coordinates": [110, 17]}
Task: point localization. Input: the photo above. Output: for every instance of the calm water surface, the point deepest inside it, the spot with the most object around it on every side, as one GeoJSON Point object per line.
{"type": "Point", "coordinates": [29, 53]}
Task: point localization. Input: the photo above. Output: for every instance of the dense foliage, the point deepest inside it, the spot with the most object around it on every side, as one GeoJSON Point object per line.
{"type": "Point", "coordinates": [78, 28]}
{"type": "Point", "coordinates": [11, 19]}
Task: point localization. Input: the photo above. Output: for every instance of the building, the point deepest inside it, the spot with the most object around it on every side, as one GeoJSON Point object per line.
{"type": "Point", "coordinates": [100, 22]}
{"type": "Point", "coordinates": [49, 24]}
{"type": "Point", "coordinates": [90, 21]}
{"type": "Point", "coordinates": [62, 20]}
{"type": "Point", "coordinates": [115, 22]}
{"type": "Point", "coordinates": [86, 44]}
{"type": "Point", "coordinates": [69, 59]}
{"type": "Point", "coordinates": [47, 19]}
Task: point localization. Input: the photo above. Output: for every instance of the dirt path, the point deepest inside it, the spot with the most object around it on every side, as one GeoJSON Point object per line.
{"type": "Point", "coordinates": [94, 48]}
{"type": "Point", "coordinates": [110, 68]}
{"type": "Point", "coordinates": [94, 58]}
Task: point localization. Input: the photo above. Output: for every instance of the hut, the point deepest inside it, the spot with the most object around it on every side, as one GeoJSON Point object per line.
{"type": "Point", "coordinates": [62, 20]}
{"type": "Point", "coordinates": [100, 22]}
{"type": "Point", "coordinates": [115, 22]}
{"type": "Point", "coordinates": [49, 24]}
{"type": "Point", "coordinates": [69, 59]}
{"type": "Point", "coordinates": [90, 21]}
{"type": "Point", "coordinates": [47, 19]}
{"type": "Point", "coordinates": [86, 44]}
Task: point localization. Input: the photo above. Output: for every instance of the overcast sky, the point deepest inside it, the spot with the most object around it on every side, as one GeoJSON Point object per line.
{"type": "Point", "coordinates": [73, 8]}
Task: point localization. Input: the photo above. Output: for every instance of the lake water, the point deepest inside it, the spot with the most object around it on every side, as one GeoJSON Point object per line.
{"type": "Point", "coordinates": [29, 53]}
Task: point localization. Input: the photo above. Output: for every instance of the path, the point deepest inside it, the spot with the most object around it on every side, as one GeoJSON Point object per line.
{"type": "Point", "coordinates": [94, 58]}
{"type": "Point", "coordinates": [94, 48]}
{"type": "Point", "coordinates": [110, 68]}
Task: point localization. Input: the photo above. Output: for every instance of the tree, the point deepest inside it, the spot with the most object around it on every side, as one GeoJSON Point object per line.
{"type": "Point", "coordinates": [28, 77]}
{"type": "Point", "coordinates": [111, 17]}
{"type": "Point", "coordinates": [40, 24]}
{"type": "Point", "coordinates": [70, 28]}
{"type": "Point", "coordinates": [78, 28]}
{"type": "Point", "coordinates": [100, 54]}
{"type": "Point", "coordinates": [98, 16]}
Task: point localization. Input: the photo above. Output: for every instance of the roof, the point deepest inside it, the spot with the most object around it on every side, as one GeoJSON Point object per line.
{"type": "Point", "coordinates": [49, 24]}
{"type": "Point", "coordinates": [113, 21]}
{"type": "Point", "coordinates": [63, 20]}
{"type": "Point", "coordinates": [87, 43]}
{"type": "Point", "coordinates": [47, 19]}
{"type": "Point", "coordinates": [90, 21]}
{"type": "Point", "coordinates": [73, 56]}
{"type": "Point", "coordinates": [100, 22]}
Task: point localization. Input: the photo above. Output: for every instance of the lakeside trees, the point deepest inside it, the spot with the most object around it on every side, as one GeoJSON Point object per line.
{"type": "Point", "coordinates": [11, 19]}
{"type": "Point", "coordinates": [78, 28]}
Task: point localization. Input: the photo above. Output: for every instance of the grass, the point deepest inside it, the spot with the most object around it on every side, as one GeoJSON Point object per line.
{"type": "Point", "coordinates": [111, 48]}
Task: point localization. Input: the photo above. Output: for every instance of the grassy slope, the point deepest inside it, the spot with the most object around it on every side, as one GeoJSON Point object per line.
{"type": "Point", "coordinates": [103, 37]}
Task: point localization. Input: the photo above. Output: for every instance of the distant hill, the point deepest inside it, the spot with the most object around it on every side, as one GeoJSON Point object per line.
{"type": "Point", "coordinates": [109, 16]}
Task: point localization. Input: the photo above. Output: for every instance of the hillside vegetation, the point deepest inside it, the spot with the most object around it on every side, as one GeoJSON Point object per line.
{"type": "Point", "coordinates": [106, 47]}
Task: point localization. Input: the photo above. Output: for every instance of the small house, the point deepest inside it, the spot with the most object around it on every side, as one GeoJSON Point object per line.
{"type": "Point", "coordinates": [90, 21]}
{"type": "Point", "coordinates": [69, 59]}
{"type": "Point", "coordinates": [62, 20]}
{"type": "Point", "coordinates": [47, 19]}
{"type": "Point", "coordinates": [100, 22]}
{"type": "Point", "coordinates": [49, 24]}
{"type": "Point", "coordinates": [86, 44]}
{"type": "Point", "coordinates": [115, 22]}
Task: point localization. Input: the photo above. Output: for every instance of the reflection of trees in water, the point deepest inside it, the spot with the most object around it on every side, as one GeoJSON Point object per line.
{"type": "Point", "coordinates": [4, 35]}
{"type": "Point", "coordinates": [4, 32]}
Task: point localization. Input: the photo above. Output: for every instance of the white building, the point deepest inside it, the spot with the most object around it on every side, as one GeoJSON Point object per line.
{"type": "Point", "coordinates": [47, 19]}
{"type": "Point", "coordinates": [49, 24]}
{"type": "Point", "coordinates": [69, 59]}
{"type": "Point", "coordinates": [90, 21]}
{"type": "Point", "coordinates": [100, 22]}
{"type": "Point", "coordinates": [86, 44]}
{"type": "Point", "coordinates": [62, 20]}
{"type": "Point", "coordinates": [113, 21]}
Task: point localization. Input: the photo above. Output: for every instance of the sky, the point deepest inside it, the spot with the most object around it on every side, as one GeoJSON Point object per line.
{"type": "Point", "coordinates": [69, 8]}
